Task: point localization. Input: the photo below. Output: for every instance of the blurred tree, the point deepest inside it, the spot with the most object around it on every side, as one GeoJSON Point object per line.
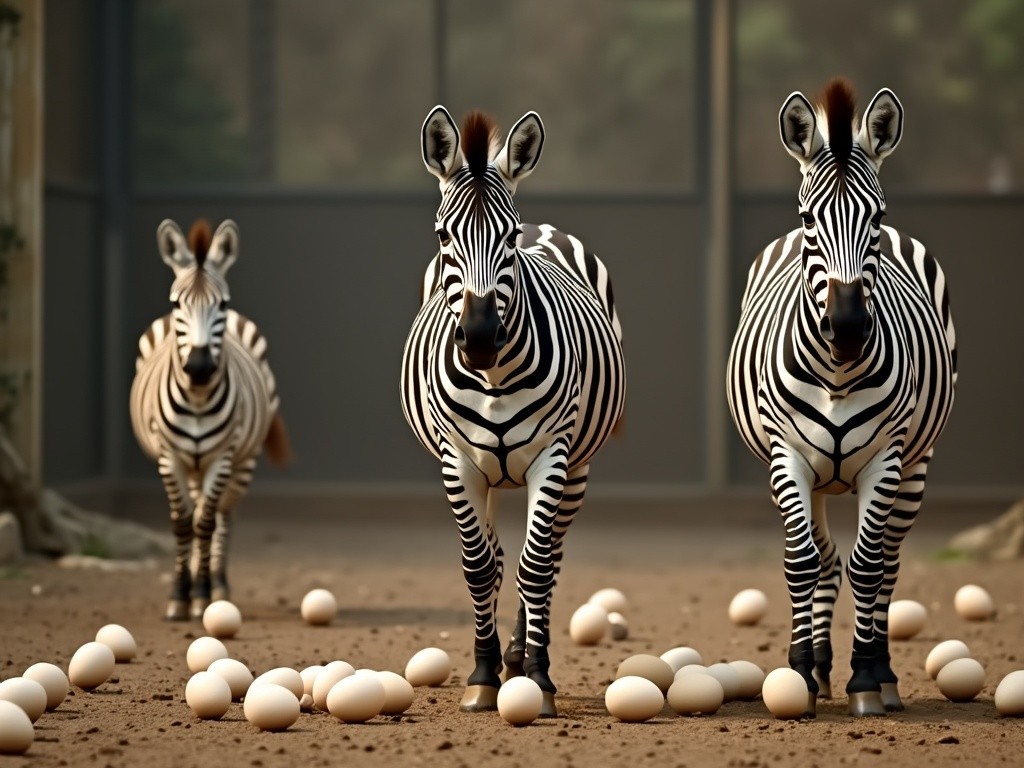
{"type": "Point", "coordinates": [182, 123]}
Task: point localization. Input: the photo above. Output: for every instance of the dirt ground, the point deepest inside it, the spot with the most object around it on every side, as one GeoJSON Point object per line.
{"type": "Point", "coordinates": [395, 570]}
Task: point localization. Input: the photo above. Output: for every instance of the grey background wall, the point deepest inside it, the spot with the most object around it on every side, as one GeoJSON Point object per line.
{"type": "Point", "coordinates": [331, 274]}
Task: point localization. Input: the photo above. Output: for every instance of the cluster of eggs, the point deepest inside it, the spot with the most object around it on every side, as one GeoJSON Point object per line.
{"type": "Point", "coordinates": [604, 613]}
{"type": "Point", "coordinates": [44, 686]}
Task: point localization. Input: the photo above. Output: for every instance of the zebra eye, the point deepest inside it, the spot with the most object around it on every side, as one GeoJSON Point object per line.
{"type": "Point", "coordinates": [223, 306]}
{"type": "Point", "coordinates": [513, 240]}
{"type": "Point", "coordinates": [444, 237]}
{"type": "Point", "coordinates": [807, 218]}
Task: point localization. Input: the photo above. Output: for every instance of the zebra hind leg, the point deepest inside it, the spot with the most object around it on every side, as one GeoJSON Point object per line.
{"type": "Point", "coordinates": [824, 596]}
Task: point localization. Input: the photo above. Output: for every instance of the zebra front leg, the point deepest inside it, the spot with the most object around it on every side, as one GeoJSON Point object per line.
{"type": "Point", "coordinates": [236, 489]}
{"type": "Point", "coordinates": [877, 485]}
{"type": "Point", "coordinates": [535, 578]}
{"type": "Point", "coordinates": [791, 482]}
{"type": "Point", "coordinates": [176, 486]}
{"type": "Point", "coordinates": [467, 491]}
{"type": "Point", "coordinates": [901, 519]}
{"type": "Point", "coordinates": [572, 500]}
{"type": "Point", "coordinates": [825, 595]}
{"type": "Point", "coordinates": [205, 524]}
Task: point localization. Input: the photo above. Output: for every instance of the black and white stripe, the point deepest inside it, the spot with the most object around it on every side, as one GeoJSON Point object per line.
{"type": "Point", "coordinates": [512, 376]}
{"type": "Point", "coordinates": [202, 405]}
{"type": "Point", "coordinates": [841, 378]}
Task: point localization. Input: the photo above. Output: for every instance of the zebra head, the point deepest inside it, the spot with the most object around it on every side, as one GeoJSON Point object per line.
{"type": "Point", "coordinates": [477, 223]}
{"type": "Point", "coordinates": [199, 293]}
{"type": "Point", "coordinates": [841, 205]}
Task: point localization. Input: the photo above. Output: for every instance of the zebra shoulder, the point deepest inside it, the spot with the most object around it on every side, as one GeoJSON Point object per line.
{"type": "Point", "coordinates": [247, 334]}
{"type": "Point", "coordinates": [151, 340]}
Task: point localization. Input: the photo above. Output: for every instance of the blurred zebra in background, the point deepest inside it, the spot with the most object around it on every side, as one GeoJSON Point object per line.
{"type": "Point", "coordinates": [512, 376]}
{"type": "Point", "coordinates": [203, 404]}
{"type": "Point", "coordinates": [841, 378]}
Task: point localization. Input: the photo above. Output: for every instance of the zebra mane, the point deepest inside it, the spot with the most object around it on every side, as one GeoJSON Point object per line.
{"type": "Point", "coordinates": [480, 141]}
{"type": "Point", "coordinates": [199, 238]}
{"type": "Point", "coordinates": [837, 104]}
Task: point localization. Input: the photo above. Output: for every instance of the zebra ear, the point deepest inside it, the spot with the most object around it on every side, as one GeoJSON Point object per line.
{"type": "Point", "coordinates": [224, 247]}
{"type": "Point", "coordinates": [882, 126]}
{"type": "Point", "coordinates": [173, 246]}
{"type": "Point", "coordinates": [440, 141]}
{"type": "Point", "coordinates": [799, 128]}
{"type": "Point", "coordinates": [521, 152]}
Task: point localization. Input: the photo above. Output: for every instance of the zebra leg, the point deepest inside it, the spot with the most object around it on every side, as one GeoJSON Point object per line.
{"type": "Point", "coordinates": [535, 578]}
{"type": "Point", "coordinates": [204, 525]}
{"type": "Point", "coordinates": [825, 595]}
{"type": "Point", "coordinates": [877, 485]}
{"type": "Point", "coordinates": [176, 487]}
{"type": "Point", "coordinates": [236, 488]}
{"type": "Point", "coordinates": [468, 491]}
{"type": "Point", "coordinates": [904, 512]}
{"type": "Point", "coordinates": [791, 481]}
{"type": "Point", "coordinates": [572, 500]}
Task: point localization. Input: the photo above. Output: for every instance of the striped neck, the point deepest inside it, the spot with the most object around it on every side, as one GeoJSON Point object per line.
{"type": "Point", "coordinates": [195, 398]}
{"type": "Point", "coordinates": [810, 354]}
{"type": "Point", "coordinates": [519, 350]}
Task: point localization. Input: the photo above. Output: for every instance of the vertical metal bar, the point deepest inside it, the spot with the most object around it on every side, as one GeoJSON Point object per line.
{"type": "Point", "coordinates": [262, 91]}
{"type": "Point", "coordinates": [720, 124]}
{"type": "Point", "coordinates": [115, 65]}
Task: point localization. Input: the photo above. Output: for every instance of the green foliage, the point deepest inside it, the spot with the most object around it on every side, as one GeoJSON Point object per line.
{"type": "Point", "coordinates": [950, 555]}
{"type": "Point", "coordinates": [94, 546]}
{"type": "Point", "coordinates": [183, 124]}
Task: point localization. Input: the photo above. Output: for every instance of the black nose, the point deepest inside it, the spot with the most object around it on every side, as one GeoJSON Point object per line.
{"type": "Point", "coordinates": [200, 365]}
{"type": "Point", "coordinates": [480, 334]}
{"type": "Point", "coordinates": [847, 324]}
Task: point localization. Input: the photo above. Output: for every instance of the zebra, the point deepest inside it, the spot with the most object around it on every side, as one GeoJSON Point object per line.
{"type": "Point", "coordinates": [512, 376]}
{"type": "Point", "coordinates": [203, 403]}
{"type": "Point", "coordinates": [841, 378]}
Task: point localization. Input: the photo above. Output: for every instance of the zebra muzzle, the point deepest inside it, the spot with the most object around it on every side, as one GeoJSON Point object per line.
{"type": "Point", "coordinates": [480, 335]}
{"type": "Point", "coordinates": [847, 324]}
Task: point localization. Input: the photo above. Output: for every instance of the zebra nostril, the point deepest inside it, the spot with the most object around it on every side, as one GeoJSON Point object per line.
{"type": "Point", "coordinates": [869, 325]}
{"type": "Point", "coordinates": [501, 336]}
{"type": "Point", "coordinates": [460, 337]}
{"type": "Point", "coordinates": [826, 329]}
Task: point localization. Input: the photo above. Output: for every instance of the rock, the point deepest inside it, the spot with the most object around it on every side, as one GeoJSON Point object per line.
{"type": "Point", "coordinates": [10, 539]}
{"type": "Point", "coordinates": [1001, 539]}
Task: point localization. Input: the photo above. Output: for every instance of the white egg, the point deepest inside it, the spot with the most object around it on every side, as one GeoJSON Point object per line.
{"type": "Point", "coordinates": [208, 695]}
{"type": "Point", "coordinates": [520, 700]}
{"type": "Point", "coordinates": [633, 699]}
{"type": "Point", "coordinates": [27, 694]}
{"type": "Point", "coordinates": [306, 703]}
{"type": "Point", "coordinates": [906, 619]}
{"type": "Point", "coordinates": [222, 619]}
{"type": "Point", "coordinates": [728, 677]}
{"type": "Point", "coordinates": [1009, 698]}
{"type": "Point", "coordinates": [331, 674]}
{"type": "Point", "coordinates": [53, 679]}
{"type": "Point", "coordinates": [318, 607]}
{"type": "Point", "coordinates": [286, 677]}
{"type": "Point", "coordinates": [431, 666]}
{"type": "Point", "coordinates": [943, 653]}
{"type": "Point", "coordinates": [120, 641]}
{"type": "Point", "coordinates": [588, 624]}
{"type": "Point", "coordinates": [649, 667]}
{"type": "Point", "coordinates": [356, 698]}
{"type": "Point", "coordinates": [91, 666]}
{"type": "Point", "coordinates": [785, 693]}
{"type": "Point", "coordinates": [398, 693]}
{"type": "Point", "coordinates": [202, 652]}
{"type": "Point", "coordinates": [270, 707]}
{"type": "Point", "coordinates": [690, 668]}
{"type": "Point", "coordinates": [974, 603]}
{"type": "Point", "coordinates": [16, 731]}
{"type": "Point", "coordinates": [751, 679]}
{"type": "Point", "coordinates": [235, 674]}
{"type": "Point", "coordinates": [308, 676]}
{"type": "Point", "coordinates": [695, 693]}
{"type": "Point", "coordinates": [611, 599]}
{"type": "Point", "coordinates": [679, 657]}
{"type": "Point", "coordinates": [748, 607]}
{"type": "Point", "coordinates": [618, 625]}
{"type": "Point", "coordinates": [961, 679]}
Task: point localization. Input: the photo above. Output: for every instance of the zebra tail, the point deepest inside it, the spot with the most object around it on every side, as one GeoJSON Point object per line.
{"type": "Point", "coordinates": [277, 444]}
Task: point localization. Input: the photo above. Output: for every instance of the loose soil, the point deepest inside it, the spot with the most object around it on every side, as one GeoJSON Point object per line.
{"type": "Point", "coordinates": [396, 572]}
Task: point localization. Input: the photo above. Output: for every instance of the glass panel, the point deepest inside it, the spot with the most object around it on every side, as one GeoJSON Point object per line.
{"type": "Point", "coordinates": [70, 92]}
{"type": "Point", "coordinates": [614, 83]}
{"type": "Point", "coordinates": [960, 78]}
{"type": "Point", "coordinates": [354, 81]}
{"type": "Point", "coordinates": [190, 95]}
